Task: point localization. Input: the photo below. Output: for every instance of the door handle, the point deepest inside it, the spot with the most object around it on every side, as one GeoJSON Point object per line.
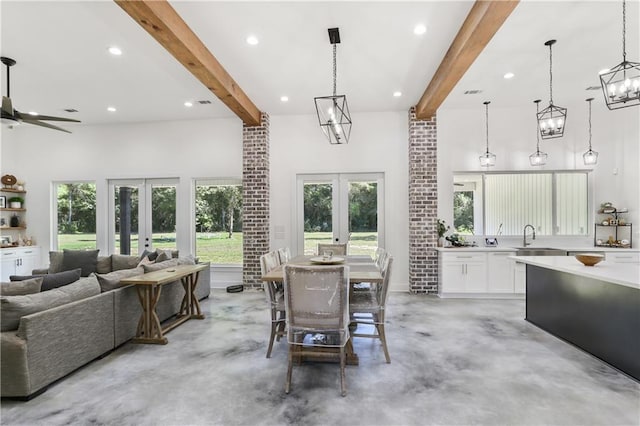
{"type": "Point", "coordinates": [337, 240]}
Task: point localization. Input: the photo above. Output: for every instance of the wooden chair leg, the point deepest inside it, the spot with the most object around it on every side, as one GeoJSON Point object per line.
{"type": "Point", "coordinates": [383, 339]}
{"type": "Point", "coordinates": [343, 385]}
{"type": "Point", "coordinates": [287, 385]}
{"type": "Point", "coordinates": [271, 338]}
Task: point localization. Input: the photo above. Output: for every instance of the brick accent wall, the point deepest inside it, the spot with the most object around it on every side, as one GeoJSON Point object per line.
{"type": "Point", "coordinates": [423, 205]}
{"type": "Point", "coordinates": [255, 199]}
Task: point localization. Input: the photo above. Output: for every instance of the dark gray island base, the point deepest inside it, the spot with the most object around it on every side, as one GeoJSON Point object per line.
{"type": "Point", "coordinates": [600, 317]}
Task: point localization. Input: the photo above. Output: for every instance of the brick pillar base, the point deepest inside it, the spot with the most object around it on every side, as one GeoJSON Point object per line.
{"type": "Point", "coordinates": [423, 205]}
{"type": "Point", "coordinates": [255, 200]}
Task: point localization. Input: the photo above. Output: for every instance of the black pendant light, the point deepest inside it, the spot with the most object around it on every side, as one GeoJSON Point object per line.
{"type": "Point", "coordinates": [333, 111]}
{"type": "Point", "coordinates": [538, 158]}
{"type": "Point", "coordinates": [487, 159]}
{"type": "Point", "coordinates": [590, 157]}
{"type": "Point", "coordinates": [621, 84]}
{"type": "Point", "coordinates": [552, 119]}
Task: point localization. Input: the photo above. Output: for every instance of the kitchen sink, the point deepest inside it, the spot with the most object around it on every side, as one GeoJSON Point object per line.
{"type": "Point", "coordinates": [539, 251]}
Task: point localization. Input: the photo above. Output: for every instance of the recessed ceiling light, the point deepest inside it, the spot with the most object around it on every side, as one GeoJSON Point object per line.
{"type": "Point", "coordinates": [509, 75]}
{"type": "Point", "coordinates": [397, 94]}
{"type": "Point", "coordinates": [111, 109]}
{"type": "Point", "coordinates": [604, 71]}
{"type": "Point", "coordinates": [114, 50]}
{"type": "Point", "coordinates": [33, 113]}
{"type": "Point", "coordinates": [419, 29]}
{"type": "Point", "coordinates": [252, 40]}
{"type": "Point", "coordinates": [188, 104]}
{"type": "Point", "coordinates": [284, 98]}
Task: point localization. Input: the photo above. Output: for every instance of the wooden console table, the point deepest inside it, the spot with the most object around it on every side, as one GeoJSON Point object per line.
{"type": "Point", "coordinates": [149, 287]}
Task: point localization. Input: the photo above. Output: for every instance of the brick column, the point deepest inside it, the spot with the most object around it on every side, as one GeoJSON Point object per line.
{"type": "Point", "coordinates": [423, 205]}
{"type": "Point", "coordinates": [255, 199]}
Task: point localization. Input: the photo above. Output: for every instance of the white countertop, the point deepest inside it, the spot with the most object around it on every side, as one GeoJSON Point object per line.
{"type": "Point", "coordinates": [582, 249]}
{"type": "Point", "coordinates": [627, 274]}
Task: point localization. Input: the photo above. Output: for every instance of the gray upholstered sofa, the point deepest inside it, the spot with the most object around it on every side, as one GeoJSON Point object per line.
{"type": "Point", "coordinates": [52, 343]}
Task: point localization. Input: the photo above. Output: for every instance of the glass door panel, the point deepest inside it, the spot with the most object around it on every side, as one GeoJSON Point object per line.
{"type": "Point", "coordinates": [318, 215]}
{"type": "Point", "coordinates": [162, 226]}
{"type": "Point", "coordinates": [363, 217]}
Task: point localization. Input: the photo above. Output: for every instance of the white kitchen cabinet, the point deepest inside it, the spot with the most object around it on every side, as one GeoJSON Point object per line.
{"type": "Point", "coordinates": [462, 273]}
{"type": "Point", "coordinates": [519, 278]}
{"type": "Point", "coordinates": [18, 261]}
{"type": "Point", "coordinates": [623, 257]}
{"type": "Point", "coordinates": [500, 272]}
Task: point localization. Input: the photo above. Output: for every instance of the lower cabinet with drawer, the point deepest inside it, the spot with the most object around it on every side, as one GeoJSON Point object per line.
{"type": "Point", "coordinates": [628, 257]}
{"type": "Point", "coordinates": [18, 261]}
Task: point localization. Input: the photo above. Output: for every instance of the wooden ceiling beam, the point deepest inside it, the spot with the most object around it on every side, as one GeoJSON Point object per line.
{"type": "Point", "coordinates": [164, 24]}
{"type": "Point", "coordinates": [484, 19]}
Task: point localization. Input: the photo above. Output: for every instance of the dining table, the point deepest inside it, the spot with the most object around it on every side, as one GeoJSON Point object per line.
{"type": "Point", "coordinates": [362, 269]}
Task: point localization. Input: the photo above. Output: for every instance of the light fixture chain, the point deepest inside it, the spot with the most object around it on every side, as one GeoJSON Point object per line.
{"type": "Point", "coordinates": [335, 70]}
{"type": "Point", "coordinates": [537, 130]}
{"type": "Point", "coordinates": [624, 31]}
{"type": "Point", "coordinates": [550, 74]}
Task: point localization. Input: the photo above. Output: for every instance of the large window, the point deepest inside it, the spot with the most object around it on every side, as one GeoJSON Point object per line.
{"type": "Point", "coordinates": [555, 203]}
{"type": "Point", "coordinates": [75, 204]}
{"type": "Point", "coordinates": [218, 221]}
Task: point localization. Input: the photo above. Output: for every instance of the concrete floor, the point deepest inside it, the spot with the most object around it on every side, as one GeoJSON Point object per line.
{"type": "Point", "coordinates": [452, 362]}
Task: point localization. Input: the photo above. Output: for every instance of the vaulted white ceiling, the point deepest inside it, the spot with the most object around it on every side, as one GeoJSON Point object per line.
{"type": "Point", "coordinates": [61, 50]}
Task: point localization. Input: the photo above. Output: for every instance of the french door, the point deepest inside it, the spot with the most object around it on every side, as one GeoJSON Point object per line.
{"type": "Point", "coordinates": [340, 208]}
{"type": "Point", "coordinates": [142, 213]}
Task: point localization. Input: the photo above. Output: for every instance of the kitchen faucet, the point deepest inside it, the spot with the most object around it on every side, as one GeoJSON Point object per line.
{"type": "Point", "coordinates": [524, 238]}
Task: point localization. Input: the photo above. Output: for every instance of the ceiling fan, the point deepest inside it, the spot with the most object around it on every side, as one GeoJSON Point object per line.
{"type": "Point", "coordinates": [13, 117]}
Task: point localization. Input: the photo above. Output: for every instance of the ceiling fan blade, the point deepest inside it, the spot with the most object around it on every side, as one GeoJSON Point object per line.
{"type": "Point", "coordinates": [7, 108]}
{"type": "Point", "coordinates": [40, 123]}
{"type": "Point", "coordinates": [24, 116]}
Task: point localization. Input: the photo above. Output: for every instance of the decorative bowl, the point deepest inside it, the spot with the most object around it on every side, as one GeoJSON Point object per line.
{"type": "Point", "coordinates": [589, 259]}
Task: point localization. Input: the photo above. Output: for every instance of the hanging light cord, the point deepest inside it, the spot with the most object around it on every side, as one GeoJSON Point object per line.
{"type": "Point", "coordinates": [589, 125]}
{"type": "Point", "coordinates": [335, 70]}
{"type": "Point", "coordinates": [550, 75]}
{"type": "Point", "coordinates": [537, 132]}
{"type": "Point", "coordinates": [624, 31]}
{"type": "Point", "coordinates": [486, 104]}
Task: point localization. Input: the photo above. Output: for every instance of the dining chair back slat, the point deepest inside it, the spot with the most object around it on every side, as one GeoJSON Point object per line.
{"type": "Point", "coordinates": [336, 249]}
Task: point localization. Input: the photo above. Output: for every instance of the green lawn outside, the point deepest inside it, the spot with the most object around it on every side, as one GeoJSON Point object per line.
{"type": "Point", "coordinates": [215, 247]}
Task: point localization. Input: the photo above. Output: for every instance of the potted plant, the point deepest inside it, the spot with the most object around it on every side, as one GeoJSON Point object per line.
{"type": "Point", "coordinates": [442, 229]}
{"type": "Point", "coordinates": [16, 202]}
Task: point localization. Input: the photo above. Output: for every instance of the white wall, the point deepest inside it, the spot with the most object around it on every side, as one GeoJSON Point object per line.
{"type": "Point", "coordinates": [378, 144]}
{"type": "Point", "coordinates": [615, 135]}
{"type": "Point", "coordinates": [184, 149]}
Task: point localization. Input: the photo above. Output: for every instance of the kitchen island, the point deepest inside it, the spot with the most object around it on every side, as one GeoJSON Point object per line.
{"type": "Point", "coordinates": [596, 308]}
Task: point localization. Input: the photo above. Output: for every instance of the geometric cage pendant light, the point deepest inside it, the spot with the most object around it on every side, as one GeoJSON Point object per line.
{"type": "Point", "coordinates": [487, 159]}
{"type": "Point", "coordinates": [333, 111]}
{"type": "Point", "coordinates": [538, 158]}
{"type": "Point", "coordinates": [590, 157]}
{"type": "Point", "coordinates": [621, 84]}
{"type": "Point", "coordinates": [552, 119]}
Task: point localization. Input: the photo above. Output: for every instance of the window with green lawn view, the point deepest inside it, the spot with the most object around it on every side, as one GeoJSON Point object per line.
{"type": "Point", "coordinates": [501, 203]}
{"type": "Point", "coordinates": [76, 215]}
{"type": "Point", "coordinates": [218, 221]}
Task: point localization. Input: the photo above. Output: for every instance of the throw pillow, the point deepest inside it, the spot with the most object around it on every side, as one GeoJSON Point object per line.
{"type": "Point", "coordinates": [145, 261]}
{"type": "Point", "coordinates": [149, 254]}
{"type": "Point", "coordinates": [111, 280]}
{"type": "Point", "coordinates": [123, 261]}
{"type": "Point", "coordinates": [12, 308]}
{"type": "Point", "coordinates": [171, 254]}
{"type": "Point", "coordinates": [83, 259]}
{"type": "Point", "coordinates": [51, 281]}
{"type": "Point", "coordinates": [55, 261]}
{"type": "Point", "coordinates": [162, 265]}
{"type": "Point", "coordinates": [19, 288]}
{"type": "Point", "coordinates": [187, 260]}
{"type": "Point", "coordinates": [104, 265]}
{"type": "Point", "coordinates": [162, 256]}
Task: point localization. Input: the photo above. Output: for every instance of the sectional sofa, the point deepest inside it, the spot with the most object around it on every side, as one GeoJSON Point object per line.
{"type": "Point", "coordinates": [77, 323]}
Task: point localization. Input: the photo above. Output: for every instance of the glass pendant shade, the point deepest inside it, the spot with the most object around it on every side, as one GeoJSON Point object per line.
{"type": "Point", "coordinates": [487, 159]}
{"type": "Point", "coordinates": [552, 119]}
{"type": "Point", "coordinates": [590, 158]}
{"type": "Point", "coordinates": [538, 158]}
{"type": "Point", "coordinates": [621, 84]}
{"type": "Point", "coordinates": [334, 118]}
{"type": "Point", "coordinates": [333, 111]}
